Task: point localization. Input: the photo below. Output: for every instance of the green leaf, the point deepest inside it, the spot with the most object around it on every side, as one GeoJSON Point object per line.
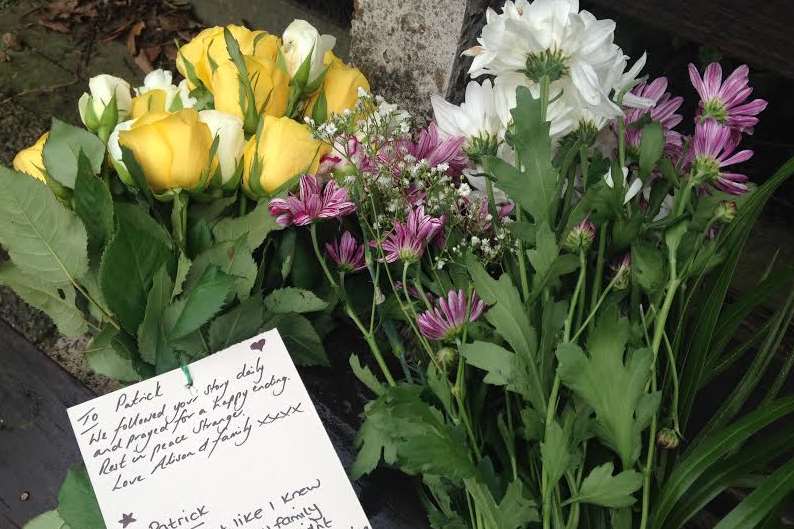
{"type": "Point", "coordinates": [302, 341]}
{"type": "Point", "coordinates": [62, 150]}
{"type": "Point", "coordinates": [621, 406]}
{"type": "Point", "coordinates": [504, 367]}
{"type": "Point", "coordinates": [151, 338]}
{"type": "Point", "coordinates": [515, 510]}
{"type": "Point", "coordinates": [256, 226]}
{"type": "Point", "coordinates": [231, 257]}
{"type": "Point", "coordinates": [42, 237]}
{"type": "Point", "coordinates": [137, 250]}
{"type": "Point", "coordinates": [183, 265]}
{"type": "Point", "coordinates": [600, 487]}
{"type": "Point", "coordinates": [651, 148]}
{"type": "Point", "coordinates": [763, 500]}
{"type": "Point", "coordinates": [48, 520]}
{"type": "Point", "coordinates": [94, 205]}
{"type": "Point", "coordinates": [554, 453]}
{"type": "Point", "coordinates": [77, 503]}
{"type": "Point", "coordinates": [240, 323]}
{"type": "Point", "coordinates": [289, 299]}
{"type": "Point", "coordinates": [713, 450]}
{"type": "Point", "coordinates": [547, 262]}
{"type": "Point", "coordinates": [107, 356]}
{"type": "Point", "coordinates": [534, 188]}
{"type": "Point", "coordinates": [203, 301]}
{"type": "Point", "coordinates": [365, 375]}
{"type": "Point", "coordinates": [647, 266]}
{"type": "Point", "coordinates": [57, 302]}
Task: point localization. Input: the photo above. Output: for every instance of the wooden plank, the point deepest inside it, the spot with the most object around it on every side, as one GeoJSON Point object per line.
{"type": "Point", "coordinates": [36, 442]}
{"type": "Point", "coordinates": [758, 32]}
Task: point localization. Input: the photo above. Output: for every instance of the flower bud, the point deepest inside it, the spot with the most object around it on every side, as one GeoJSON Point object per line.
{"type": "Point", "coordinates": [446, 358]}
{"type": "Point", "coordinates": [725, 211]}
{"type": "Point", "coordinates": [269, 83]}
{"type": "Point", "coordinates": [668, 439]}
{"type": "Point", "coordinates": [622, 271]}
{"type": "Point", "coordinates": [114, 151]}
{"type": "Point", "coordinates": [228, 130]}
{"type": "Point", "coordinates": [30, 160]}
{"type": "Point", "coordinates": [304, 51]}
{"type": "Point", "coordinates": [159, 94]}
{"type": "Point", "coordinates": [580, 237]}
{"type": "Point", "coordinates": [108, 102]}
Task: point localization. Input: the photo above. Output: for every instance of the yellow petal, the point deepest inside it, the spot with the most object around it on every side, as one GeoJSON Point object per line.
{"type": "Point", "coordinates": [30, 160]}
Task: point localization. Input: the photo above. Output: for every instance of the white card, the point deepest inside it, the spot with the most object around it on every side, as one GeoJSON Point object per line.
{"type": "Point", "coordinates": [243, 448]}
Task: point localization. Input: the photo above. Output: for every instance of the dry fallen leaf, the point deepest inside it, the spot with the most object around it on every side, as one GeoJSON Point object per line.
{"type": "Point", "coordinates": [135, 30]}
{"type": "Point", "coordinates": [54, 25]}
{"type": "Point", "coordinates": [11, 42]}
{"type": "Point", "coordinates": [4, 57]}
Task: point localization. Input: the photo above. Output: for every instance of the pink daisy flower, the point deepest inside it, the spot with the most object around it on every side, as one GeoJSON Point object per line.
{"type": "Point", "coordinates": [713, 149]}
{"type": "Point", "coordinates": [346, 253]}
{"type": "Point", "coordinates": [450, 315]}
{"type": "Point", "coordinates": [313, 202]}
{"type": "Point", "coordinates": [727, 102]}
{"type": "Point", "coordinates": [407, 240]}
{"type": "Point", "coordinates": [663, 111]}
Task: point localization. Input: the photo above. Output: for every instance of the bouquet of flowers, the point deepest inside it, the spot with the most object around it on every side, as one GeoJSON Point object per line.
{"type": "Point", "coordinates": [143, 228]}
{"type": "Point", "coordinates": [541, 276]}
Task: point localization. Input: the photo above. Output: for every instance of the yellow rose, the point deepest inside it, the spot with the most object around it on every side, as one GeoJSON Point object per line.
{"type": "Point", "coordinates": [270, 84]}
{"type": "Point", "coordinates": [173, 150]}
{"type": "Point", "coordinates": [30, 160]}
{"type": "Point", "coordinates": [207, 51]}
{"type": "Point", "coordinates": [285, 149]}
{"type": "Point", "coordinates": [152, 101]}
{"type": "Point", "coordinates": [340, 87]}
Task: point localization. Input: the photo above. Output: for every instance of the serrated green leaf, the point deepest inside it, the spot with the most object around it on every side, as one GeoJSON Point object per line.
{"type": "Point", "coordinates": [503, 366]}
{"type": "Point", "coordinates": [42, 237]}
{"type": "Point", "coordinates": [289, 299]}
{"type": "Point", "coordinates": [240, 323]}
{"type": "Point", "coordinates": [255, 226]}
{"type": "Point", "coordinates": [651, 148]}
{"type": "Point", "coordinates": [647, 266]}
{"type": "Point", "coordinates": [199, 304]}
{"type": "Point", "coordinates": [151, 339]}
{"type": "Point", "coordinates": [302, 341]}
{"type": "Point", "coordinates": [620, 417]}
{"type": "Point", "coordinates": [94, 205]}
{"type": "Point", "coordinates": [183, 265]}
{"type": "Point", "coordinates": [57, 302]}
{"type": "Point", "coordinates": [555, 453]}
{"type": "Point", "coordinates": [231, 257]}
{"type": "Point", "coordinates": [48, 520]}
{"type": "Point", "coordinates": [106, 356]}
{"type": "Point", "coordinates": [137, 250]}
{"type": "Point", "coordinates": [365, 375]}
{"type": "Point", "coordinates": [77, 504]}
{"type": "Point", "coordinates": [62, 149]}
{"type": "Point", "coordinates": [600, 487]}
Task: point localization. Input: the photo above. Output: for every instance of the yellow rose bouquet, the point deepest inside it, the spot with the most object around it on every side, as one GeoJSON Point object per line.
{"type": "Point", "coordinates": [148, 226]}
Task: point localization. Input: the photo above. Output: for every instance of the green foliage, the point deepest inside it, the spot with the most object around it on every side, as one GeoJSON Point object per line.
{"type": "Point", "coordinates": [94, 205]}
{"type": "Point", "coordinates": [651, 148]}
{"type": "Point", "coordinates": [108, 355]}
{"type": "Point", "coordinates": [47, 520]}
{"type": "Point", "coordinates": [255, 226]}
{"type": "Point", "coordinates": [199, 304]}
{"type": "Point", "coordinates": [62, 152]}
{"type": "Point", "coordinates": [238, 324]}
{"type": "Point", "coordinates": [288, 299]}
{"type": "Point", "coordinates": [648, 266]}
{"type": "Point", "coordinates": [232, 258]}
{"type": "Point", "coordinates": [365, 375]}
{"type": "Point", "coordinates": [138, 249]}
{"type": "Point", "coordinates": [600, 487]}
{"type": "Point", "coordinates": [151, 335]}
{"type": "Point", "coordinates": [42, 237]}
{"type": "Point", "coordinates": [623, 407]}
{"type": "Point", "coordinates": [77, 503]}
{"type": "Point", "coordinates": [555, 453]}
{"type": "Point", "coordinates": [303, 342]}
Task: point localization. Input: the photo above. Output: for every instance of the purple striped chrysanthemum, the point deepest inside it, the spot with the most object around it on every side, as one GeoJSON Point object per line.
{"type": "Point", "coordinates": [346, 253]}
{"type": "Point", "coordinates": [714, 148]}
{"type": "Point", "coordinates": [663, 111]}
{"type": "Point", "coordinates": [313, 202]}
{"type": "Point", "coordinates": [407, 240]}
{"type": "Point", "coordinates": [727, 102]}
{"type": "Point", "coordinates": [450, 315]}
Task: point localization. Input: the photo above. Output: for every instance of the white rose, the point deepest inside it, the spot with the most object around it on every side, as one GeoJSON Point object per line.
{"type": "Point", "coordinates": [102, 89]}
{"type": "Point", "coordinates": [302, 41]}
{"type": "Point", "coordinates": [114, 150]}
{"type": "Point", "coordinates": [163, 80]}
{"type": "Point", "coordinates": [231, 139]}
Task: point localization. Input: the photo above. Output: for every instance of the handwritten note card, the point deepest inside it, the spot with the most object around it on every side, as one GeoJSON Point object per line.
{"type": "Point", "coordinates": [243, 448]}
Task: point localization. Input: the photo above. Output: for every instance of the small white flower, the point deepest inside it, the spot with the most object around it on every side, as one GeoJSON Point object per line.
{"type": "Point", "coordinates": [464, 190]}
{"type": "Point", "coordinates": [175, 96]}
{"type": "Point", "coordinates": [231, 139]}
{"type": "Point", "coordinates": [476, 117]}
{"type": "Point", "coordinates": [102, 89]}
{"type": "Point", "coordinates": [114, 150]}
{"type": "Point", "coordinates": [301, 42]}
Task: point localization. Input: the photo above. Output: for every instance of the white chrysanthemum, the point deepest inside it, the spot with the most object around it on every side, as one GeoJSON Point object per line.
{"type": "Point", "coordinates": [162, 80]}
{"type": "Point", "coordinates": [553, 38]}
{"type": "Point", "coordinates": [478, 117]}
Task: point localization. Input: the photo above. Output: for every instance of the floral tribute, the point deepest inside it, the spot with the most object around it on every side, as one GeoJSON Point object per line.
{"type": "Point", "coordinates": [540, 275]}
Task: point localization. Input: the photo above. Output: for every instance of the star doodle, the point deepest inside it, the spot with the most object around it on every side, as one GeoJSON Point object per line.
{"type": "Point", "coordinates": [126, 519]}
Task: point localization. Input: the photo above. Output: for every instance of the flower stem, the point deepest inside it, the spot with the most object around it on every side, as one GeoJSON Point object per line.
{"type": "Point", "coordinates": [600, 260]}
{"type": "Point", "coordinates": [316, 246]}
{"type": "Point", "coordinates": [373, 344]}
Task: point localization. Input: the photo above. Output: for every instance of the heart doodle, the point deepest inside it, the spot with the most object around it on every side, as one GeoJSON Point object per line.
{"type": "Point", "coordinates": [258, 345]}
